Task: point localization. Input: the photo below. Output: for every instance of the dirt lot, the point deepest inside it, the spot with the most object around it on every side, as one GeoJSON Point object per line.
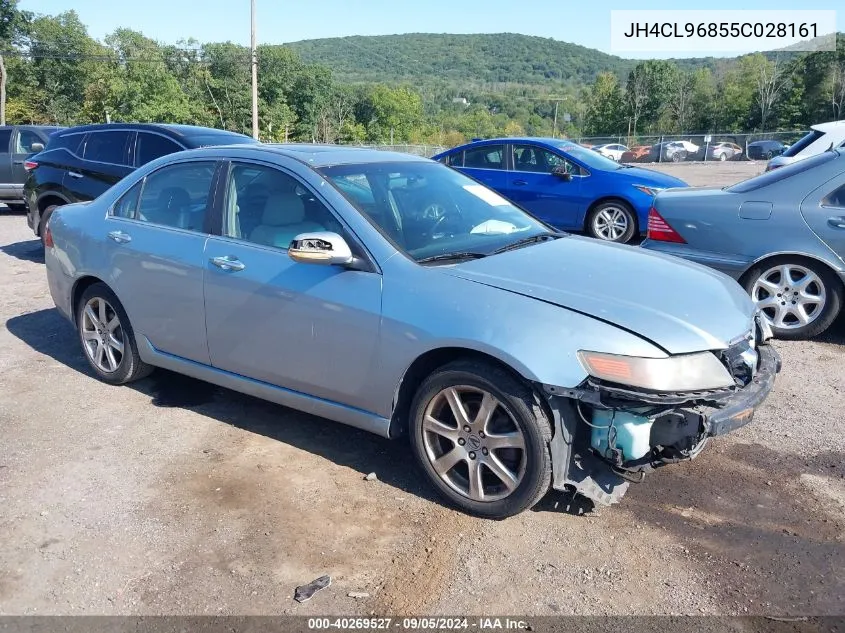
{"type": "Point", "coordinates": [173, 496]}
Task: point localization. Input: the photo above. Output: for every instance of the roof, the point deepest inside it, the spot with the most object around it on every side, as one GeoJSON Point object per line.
{"type": "Point", "coordinates": [830, 126]}
{"type": "Point", "coordinates": [177, 130]}
{"type": "Point", "coordinates": [322, 155]}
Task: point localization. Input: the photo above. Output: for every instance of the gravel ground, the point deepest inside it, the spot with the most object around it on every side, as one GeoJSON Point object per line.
{"type": "Point", "coordinates": [176, 497]}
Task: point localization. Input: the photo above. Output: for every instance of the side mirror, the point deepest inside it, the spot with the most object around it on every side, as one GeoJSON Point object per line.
{"type": "Point", "coordinates": [561, 173]}
{"type": "Point", "coordinates": [36, 147]}
{"type": "Point", "coordinates": [324, 247]}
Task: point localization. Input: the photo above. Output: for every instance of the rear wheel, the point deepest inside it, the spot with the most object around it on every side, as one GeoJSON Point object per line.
{"type": "Point", "coordinates": [107, 338]}
{"type": "Point", "coordinates": [769, 155]}
{"type": "Point", "coordinates": [482, 439]}
{"type": "Point", "coordinates": [676, 157]}
{"type": "Point", "coordinates": [800, 299]}
{"type": "Point", "coordinates": [612, 221]}
{"type": "Point", "coordinates": [723, 156]}
{"type": "Point", "coordinates": [42, 223]}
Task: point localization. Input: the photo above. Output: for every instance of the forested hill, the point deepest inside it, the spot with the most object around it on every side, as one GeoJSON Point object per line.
{"type": "Point", "coordinates": [455, 59]}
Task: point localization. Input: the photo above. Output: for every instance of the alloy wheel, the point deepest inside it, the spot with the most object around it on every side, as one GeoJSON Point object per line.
{"type": "Point", "coordinates": [610, 223]}
{"type": "Point", "coordinates": [790, 296]}
{"type": "Point", "coordinates": [102, 335]}
{"type": "Point", "coordinates": [473, 443]}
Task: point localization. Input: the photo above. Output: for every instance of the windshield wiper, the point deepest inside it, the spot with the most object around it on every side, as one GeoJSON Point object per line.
{"type": "Point", "coordinates": [451, 257]}
{"type": "Point", "coordinates": [525, 241]}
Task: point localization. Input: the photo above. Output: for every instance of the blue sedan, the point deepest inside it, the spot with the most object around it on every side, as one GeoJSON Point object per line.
{"type": "Point", "coordinates": [564, 184]}
{"type": "Point", "coordinates": [391, 293]}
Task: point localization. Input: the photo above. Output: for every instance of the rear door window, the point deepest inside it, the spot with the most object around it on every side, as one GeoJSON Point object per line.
{"type": "Point", "coordinates": [485, 157]}
{"type": "Point", "coordinates": [108, 147]}
{"type": "Point", "coordinates": [804, 143]}
{"type": "Point", "coordinates": [151, 146]}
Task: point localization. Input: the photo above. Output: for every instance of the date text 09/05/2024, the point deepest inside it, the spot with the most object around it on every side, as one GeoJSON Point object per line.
{"type": "Point", "coordinates": [721, 29]}
{"type": "Point", "coordinates": [418, 623]}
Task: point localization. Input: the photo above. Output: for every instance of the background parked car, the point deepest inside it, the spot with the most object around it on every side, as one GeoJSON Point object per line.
{"type": "Point", "coordinates": [614, 151]}
{"type": "Point", "coordinates": [764, 150]}
{"type": "Point", "coordinates": [820, 138]}
{"type": "Point", "coordinates": [669, 151]}
{"type": "Point", "coordinates": [781, 234]}
{"type": "Point", "coordinates": [80, 163]}
{"type": "Point", "coordinates": [636, 154]}
{"type": "Point", "coordinates": [723, 151]}
{"type": "Point", "coordinates": [564, 184]}
{"type": "Point", "coordinates": [16, 143]}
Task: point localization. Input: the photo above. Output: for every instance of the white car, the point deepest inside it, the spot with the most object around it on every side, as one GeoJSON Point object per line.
{"type": "Point", "coordinates": [820, 138]}
{"type": "Point", "coordinates": [691, 147]}
{"type": "Point", "coordinates": [613, 151]}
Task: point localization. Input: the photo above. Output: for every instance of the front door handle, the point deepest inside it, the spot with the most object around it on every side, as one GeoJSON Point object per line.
{"type": "Point", "coordinates": [520, 183]}
{"type": "Point", "coordinates": [18, 162]}
{"type": "Point", "coordinates": [228, 263]}
{"type": "Point", "coordinates": [120, 237]}
{"type": "Point", "coordinates": [837, 223]}
{"type": "Point", "coordinates": [74, 174]}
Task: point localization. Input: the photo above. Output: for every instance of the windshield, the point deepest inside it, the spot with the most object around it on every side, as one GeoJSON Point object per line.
{"type": "Point", "coordinates": [428, 210]}
{"type": "Point", "coordinates": [782, 173]}
{"type": "Point", "coordinates": [588, 157]}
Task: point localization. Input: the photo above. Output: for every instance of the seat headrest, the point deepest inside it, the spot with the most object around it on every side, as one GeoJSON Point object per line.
{"type": "Point", "coordinates": [174, 198]}
{"type": "Point", "coordinates": [283, 208]}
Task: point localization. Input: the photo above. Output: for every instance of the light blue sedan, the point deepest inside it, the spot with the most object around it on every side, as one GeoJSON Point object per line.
{"type": "Point", "coordinates": [399, 296]}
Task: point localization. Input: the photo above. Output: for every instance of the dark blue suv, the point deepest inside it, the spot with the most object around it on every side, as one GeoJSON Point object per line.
{"type": "Point", "coordinates": [564, 184]}
{"type": "Point", "coordinates": [80, 163]}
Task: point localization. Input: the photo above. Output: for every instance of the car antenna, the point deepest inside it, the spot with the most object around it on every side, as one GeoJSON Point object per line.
{"type": "Point", "coordinates": [830, 149]}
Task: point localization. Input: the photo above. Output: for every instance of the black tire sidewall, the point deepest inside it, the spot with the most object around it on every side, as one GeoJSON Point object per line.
{"type": "Point", "coordinates": [42, 223]}
{"type": "Point", "coordinates": [517, 400]}
{"type": "Point", "coordinates": [833, 291]}
{"type": "Point", "coordinates": [628, 235]}
{"type": "Point", "coordinates": [129, 364]}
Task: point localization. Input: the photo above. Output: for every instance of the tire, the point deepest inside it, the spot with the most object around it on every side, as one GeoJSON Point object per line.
{"type": "Point", "coordinates": [16, 208]}
{"type": "Point", "coordinates": [606, 215]}
{"type": "Point", "coordinates": [676, 157]}
{"type": "Point", "coordinates": [769, 155]}
{"type": "Point", "coordinates": [723, 157]}
{"type": "Point", "coordinates": [824, 284]}
{"type": "Point", "coordinates": [42, 223]}
{"type": "Point", "coordinates": [128, 366]}
{"type": "Point", "coordinates": [517, 410]}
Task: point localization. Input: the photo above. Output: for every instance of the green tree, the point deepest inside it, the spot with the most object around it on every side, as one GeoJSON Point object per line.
{"type": "Point", "coordinates": [391, 114]}
{"type": "Point", "coordinates": [606, 106]}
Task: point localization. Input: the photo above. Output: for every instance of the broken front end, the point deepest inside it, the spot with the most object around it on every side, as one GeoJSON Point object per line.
{"type": "Point", "coordinates": [611, 430]}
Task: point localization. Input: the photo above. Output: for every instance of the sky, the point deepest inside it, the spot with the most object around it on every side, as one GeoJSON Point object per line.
{"type": "Point", "coordinates": [281, 21]}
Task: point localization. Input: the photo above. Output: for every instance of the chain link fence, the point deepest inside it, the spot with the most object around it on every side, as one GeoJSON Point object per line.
{"type": "Point", "coordinates": [692, 147]}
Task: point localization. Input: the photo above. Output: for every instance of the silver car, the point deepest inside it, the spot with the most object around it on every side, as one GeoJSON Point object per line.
{"type": "Point", "coordinates": [781, 234]}
{"type": "Point", "coordinates": [399, 296]}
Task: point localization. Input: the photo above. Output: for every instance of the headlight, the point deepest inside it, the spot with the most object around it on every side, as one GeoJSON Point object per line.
{"type": "Point", "coordinates": [649, 191]}
{"type": "Point", "coordinates": [688, 372]}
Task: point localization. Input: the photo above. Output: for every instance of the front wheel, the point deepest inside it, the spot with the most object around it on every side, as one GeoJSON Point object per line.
{"type": "Point", "coordinates": [800, 299]}
{"type": "Point", "coordinates": [107, 338]}
{"type": "Point", "coordinates": [482, 439]}
{"type": "Point", "coordinates": [723, 157]}
{"type": "Point", "coordinates": [612, 222]}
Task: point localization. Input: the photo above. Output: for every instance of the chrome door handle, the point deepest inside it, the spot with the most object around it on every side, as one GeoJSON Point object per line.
{"type": "Point", "coordinates": [228, 263]}
{"type": "Point", "coordinates": [837, 223]}
{"type": "Point", "coordinates": [120, 237]}
{"type": "Point", "coordinates": [74, 174]}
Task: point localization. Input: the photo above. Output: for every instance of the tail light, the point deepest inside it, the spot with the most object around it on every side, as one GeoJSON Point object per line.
{"type": "Point", "coordinates": [659, 229]}
{"type": "Point", "coordinates": [29, 165]}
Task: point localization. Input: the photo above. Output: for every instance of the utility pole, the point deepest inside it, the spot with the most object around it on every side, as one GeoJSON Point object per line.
{"type": "Point", "coordinates": [254, 51]}
{"type": "Point", "coordinates": [554, 129]}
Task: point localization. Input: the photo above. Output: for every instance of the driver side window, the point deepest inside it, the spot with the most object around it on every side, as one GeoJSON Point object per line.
{"type": "Point", "coordinates": [269, 207]}
{"type": "Point", "coordinates": [535, 159]}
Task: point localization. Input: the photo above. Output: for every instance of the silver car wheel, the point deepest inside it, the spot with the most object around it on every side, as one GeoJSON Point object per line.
{"type": "Point", "coordinates": [790, 296]}
{"type": "Point", "coordinates": [610, 223]}
{"type": "Point", "coordinates": [102, 335]}
{"type": "Point", "coordinates": [473, 443]}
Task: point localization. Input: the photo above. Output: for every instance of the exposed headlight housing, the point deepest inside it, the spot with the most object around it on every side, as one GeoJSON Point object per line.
{"type": "Point", "coordinates": [649, 191]}
{"type": "Point", "coordinates": [686, 372]}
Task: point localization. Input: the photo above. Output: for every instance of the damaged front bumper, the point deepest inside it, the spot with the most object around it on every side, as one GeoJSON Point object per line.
{"type": "Point", "coordinates": [591, 452]}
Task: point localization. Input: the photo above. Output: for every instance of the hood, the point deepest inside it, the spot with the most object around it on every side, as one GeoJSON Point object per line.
{"type": "Point", "coordinates": [680, 306]}
{"type": "Point", "coordinates": [640, 176]}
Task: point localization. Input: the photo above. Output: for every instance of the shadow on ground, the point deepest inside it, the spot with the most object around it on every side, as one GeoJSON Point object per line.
{"type": "Point", "coordinates": [30, 251]}
{"type": "Point", "coordinates": [342, 444]}
{"type": "Point", "coordinates": [767, 528]}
